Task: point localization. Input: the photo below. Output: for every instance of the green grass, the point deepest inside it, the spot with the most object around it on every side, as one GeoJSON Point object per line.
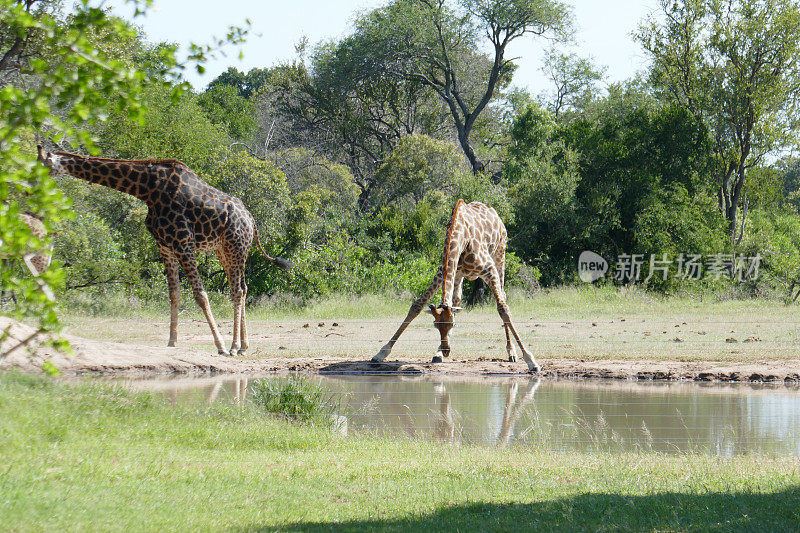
{"type": "Point", "coordinates": [569, 302]}
{"type": "Point", "coordinates": [89, 457]}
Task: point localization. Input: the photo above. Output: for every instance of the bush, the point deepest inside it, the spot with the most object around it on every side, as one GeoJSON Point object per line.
{"type": "Point", "coordinates": [776, 237]}
{"type": "Point", "coordinates": [91, 254]}
{"type": "Point", "coordinates": [294, 398]}
{"type": "Point", "coordinates": [675, 223]}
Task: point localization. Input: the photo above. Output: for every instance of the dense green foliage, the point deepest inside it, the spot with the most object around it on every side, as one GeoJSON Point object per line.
{"type": "Point", "coordinates": [352, 156]}
{"type": "Point", "coordinates": [733, 65]}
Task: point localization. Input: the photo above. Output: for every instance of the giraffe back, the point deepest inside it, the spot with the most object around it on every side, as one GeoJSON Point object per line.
{"type": "Point", "coordinates": [475, 231]}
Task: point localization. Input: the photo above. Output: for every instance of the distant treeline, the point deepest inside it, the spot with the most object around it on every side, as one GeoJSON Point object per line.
{"type": "Point", "coordinates": [352, 155]}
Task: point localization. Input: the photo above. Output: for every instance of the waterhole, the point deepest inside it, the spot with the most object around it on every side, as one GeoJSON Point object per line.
{"type": "Point", "coordinates": [617, 416]}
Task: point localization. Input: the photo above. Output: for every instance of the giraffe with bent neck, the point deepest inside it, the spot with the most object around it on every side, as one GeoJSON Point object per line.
{"type": "Point", "coordinates": [474, 247]}
{"type": "Point", "coordinates": [184, 215]}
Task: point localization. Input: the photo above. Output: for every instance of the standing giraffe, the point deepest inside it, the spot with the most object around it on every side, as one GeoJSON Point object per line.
{"type": "Point", "coordinates": [475, 247]}
{"type": "Point", "coordinates": [184, 214]}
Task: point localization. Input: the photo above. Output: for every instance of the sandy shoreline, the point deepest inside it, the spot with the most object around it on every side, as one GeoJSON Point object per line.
{"type": "Point", "coordinates": [108, 358]}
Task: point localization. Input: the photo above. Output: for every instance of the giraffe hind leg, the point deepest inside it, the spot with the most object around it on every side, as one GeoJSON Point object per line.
{"type": "Point", "coordinates": [243, 344]}
{"type": "Point", "coordinates": [492, 278]}
{"type": "Point", "coordinates": [239, 343]}
{"type": "Point", "coordinates": [510, 350]}
{"type": "Point", "coordinates": [234, 270]}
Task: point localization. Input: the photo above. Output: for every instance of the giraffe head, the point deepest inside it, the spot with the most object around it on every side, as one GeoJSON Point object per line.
{"type": "Point", "coordinates": [50, 160]}
{"type": "Point", "coordinates": [443, 321]}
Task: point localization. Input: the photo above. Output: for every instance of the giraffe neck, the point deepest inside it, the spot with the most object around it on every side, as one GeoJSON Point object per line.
{"type": "Point", "coordinates": [449, 258]}
{"type": "Point", "coordinates": [137, 178]}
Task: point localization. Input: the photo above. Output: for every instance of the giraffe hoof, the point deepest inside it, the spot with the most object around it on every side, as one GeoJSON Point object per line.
{"type": "Point", "coordinates": [222, 352]}
{"type": "Point", "coordinates": [381, 355]}
{"type": "Point", "coordinates": [512, 358]}
{"type": "Point", "coordinates": [436, 359]}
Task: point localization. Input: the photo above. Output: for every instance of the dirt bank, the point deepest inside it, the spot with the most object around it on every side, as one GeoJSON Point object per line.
{"type": "Point", "coordinates": [106, 357]}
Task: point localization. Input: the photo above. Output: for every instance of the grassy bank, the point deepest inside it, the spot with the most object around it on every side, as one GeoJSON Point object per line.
{"type": "Point", "coordinates": [569, 302]}
{"type": "Point", "coordinates": [577, 322]}
{"type": "Point", "coordinates": [89, 457]}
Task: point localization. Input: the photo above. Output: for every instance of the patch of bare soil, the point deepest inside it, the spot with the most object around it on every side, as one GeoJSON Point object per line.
{"type": "Point", "coordinates": [104, 357]}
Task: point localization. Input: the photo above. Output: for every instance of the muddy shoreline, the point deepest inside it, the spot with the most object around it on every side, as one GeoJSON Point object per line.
{"type": "Point", "coordinates": [115, 358]}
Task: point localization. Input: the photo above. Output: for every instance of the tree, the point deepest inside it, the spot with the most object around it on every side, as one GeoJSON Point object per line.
{"type": "Point", "coordinates": [335, 111]}
{"type": "Point", "coordinates": [246, 85]}
{"type": "Point", "coordinates": [19, 40]}
{"type": "Point", "coordinates": [574, 79]}
{"type": "Point", "coordinates": [541, 174]}
{"type": "Point", "coordinates": [609, 184]}
{"type": "Point", "coordinates": [437, 45]}
{"type": "Point", "coordinates": [626, 164]}
{"type": "Point", "coordinates": [418, 166]}
{"type": "Point", "coordinates": [735, 65]}
{"type": "Point", "coordinates": [306, 170]}
{"type": "Point", "coordinates": [59, 86]}
{"type": "Point", "coordinates": [173, 126]}
{"type": "Point", "coordinates": [223, 105]}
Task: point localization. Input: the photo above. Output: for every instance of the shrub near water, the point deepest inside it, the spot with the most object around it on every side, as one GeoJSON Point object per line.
{"type": "Point", "coordinates": [293, 398]}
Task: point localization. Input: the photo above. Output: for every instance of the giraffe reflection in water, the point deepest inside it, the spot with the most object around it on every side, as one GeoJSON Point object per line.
{"type": "Point", "coordinates": [445, 428]}
{"type": "Point", "coordinates": [239, 391]}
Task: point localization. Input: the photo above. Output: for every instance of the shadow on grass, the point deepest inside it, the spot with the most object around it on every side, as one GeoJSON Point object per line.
{"type": "Point", "coordinates": [778, 511]}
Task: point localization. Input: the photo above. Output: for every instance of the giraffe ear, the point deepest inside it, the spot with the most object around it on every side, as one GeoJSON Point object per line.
{"type": "Point", "coordinates": [430, 309]}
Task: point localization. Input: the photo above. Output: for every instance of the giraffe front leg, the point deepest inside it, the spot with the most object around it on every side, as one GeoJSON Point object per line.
{"type": "Point", "coordinates": [173, 285]}
{"type": "Point", "coordinates": [493, 280]}
{"type": "Point", "coordinates": [413, 312]}
{"type": "Point", "coordinates": [510, 350]}
{"type": "Point", "coordinates": [500, 264]}
{"type": "Point", "coordinates": [189, 265]}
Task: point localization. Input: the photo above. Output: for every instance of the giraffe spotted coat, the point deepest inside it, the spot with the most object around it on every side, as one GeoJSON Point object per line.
{"type": "Point", "coordinates": [475, 247]}
{"type": "Point", "coordinates": [38, 262]}
{"type": "Point", "coordinates": [184, 215]}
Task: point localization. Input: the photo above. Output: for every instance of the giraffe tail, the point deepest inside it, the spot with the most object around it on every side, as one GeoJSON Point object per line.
{"type": "Point", "coordinates": [282, 263]}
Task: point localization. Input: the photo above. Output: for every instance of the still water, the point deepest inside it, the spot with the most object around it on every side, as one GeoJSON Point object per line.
{"type": "Point", "coordinates": [565, 416]}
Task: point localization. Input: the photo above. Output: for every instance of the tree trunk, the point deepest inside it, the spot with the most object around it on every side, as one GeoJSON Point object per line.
{"type": "Point", "coordinates": [463, 139]}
